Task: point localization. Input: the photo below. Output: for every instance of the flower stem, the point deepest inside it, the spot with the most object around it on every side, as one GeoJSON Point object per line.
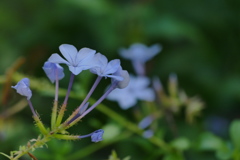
{"type": "Point", "coordinates": [69, 88]}
{"type": "Point", "coordinates": [54, 114]}
{"type": "Point", "coordinates": [55, 103]}
{"type": "Point", "coordinates": [39, 143]}
{"type": "Point", "coordinates": [60, 115]}
{"type": "Point", "coordinates": [110, 89]}
{"type": "Point", "coordinates": [31, 107]}
{"type": "Point", "coordinates": [64, 105]}
{"type": "Point", "coordinates": [132, 127]}
{"type": "Point", "coordinates": [56, 86]}
{"type": "Point", "coordinates": [75, 113]}
{"type": "Point", "coordinates": [40, 125]}
{"type": "Point", "coordinates": [66, 137]}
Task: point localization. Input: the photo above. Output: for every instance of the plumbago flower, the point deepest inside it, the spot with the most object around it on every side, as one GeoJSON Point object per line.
{"type": "Point", "coordinates": [96, 136]}
{"type": "Point", "coordinates": [137, 89]}
{"type": "Point", "coordinates": [139, 54]}
{"type": "Point", "coordinates": [53, 71]}
{"type": "Point", "coordinates": [23, 89]}
{"type": "Point", "coordinates": [104, 68]}
{"type": "Point", "coordinates": [77, 61]}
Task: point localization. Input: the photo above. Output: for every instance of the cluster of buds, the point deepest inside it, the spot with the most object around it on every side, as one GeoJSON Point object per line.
{"type": "Point", "coordinates": [77, 61]}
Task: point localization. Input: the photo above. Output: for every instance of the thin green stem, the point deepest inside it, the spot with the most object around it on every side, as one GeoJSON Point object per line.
{"type": "Point", "coordinates": [64, 105]}
{"type": "Point", "coordinates": [90, 149]}
{"type": "Point", "coordinates": [131, 126]}
{"type": "Point", "coordinates": [69, 88]}
{"type": "Point", "coordinates": [60, 114]}
{"type": "Point", "coordinates": [31, 107]}
{"type": "Point", "coordinates": [54, 114]}
{"type": "Point", "coordinates": [40, 125]}
{"type": "Point", "coordinates": [110, 89]}
{"type": "Point", "coordinates": [39, 143]}
{"type": "Point", "coordinates": [85, 99]}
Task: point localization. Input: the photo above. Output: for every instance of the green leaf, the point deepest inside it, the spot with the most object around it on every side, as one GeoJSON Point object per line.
{"type": "Point", "coordinates": [209, 141]}
{"type": "Point", "coordinates": [113, 156]}
{"type": "Point", "coordinates": [224, 154]}
{"type": "Point", "coordinates": [181, 143]}
{"type": "Point", "coordinates": [235, 132]}
{"type": "Point", "coordinates": [111, 131]}
{"type": "Point", "coordinates": [127, 158]}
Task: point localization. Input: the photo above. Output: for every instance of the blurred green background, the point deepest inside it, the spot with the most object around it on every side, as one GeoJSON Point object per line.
{"type": "Point", "coordinates": [200, 39]}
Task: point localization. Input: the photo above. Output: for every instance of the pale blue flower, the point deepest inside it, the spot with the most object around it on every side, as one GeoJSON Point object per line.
{"type": "Point", "coordinates": [23, 89]}
{"type": "Point", "coordinates": [137, 89]}
{"type": "Point", "coordinates": [104, 68]}
{"type": "Point", "coordinates": [148, 133]}
{"type": "Point", "coordinates": [139, 54]}
{"type": "Point", "coordinates": [52, 70]}
{"type": "Point", "coordinates": [145, 122]}
{"type": "Point", "coordinates": [97, 135]}
{"type": "Point", "coordinates": [77, 61]}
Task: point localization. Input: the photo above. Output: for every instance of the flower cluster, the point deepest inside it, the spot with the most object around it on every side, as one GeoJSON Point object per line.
{"type": "Point", "coordinates": [77, 61]}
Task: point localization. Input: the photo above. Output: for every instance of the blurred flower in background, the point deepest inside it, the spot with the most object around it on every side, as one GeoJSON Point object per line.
{"type": "Point", "coordinates": [191, 33]}
{"type": "Point", "coordinates": [139, 54]}
{"type": "Point", "coordinates": [137, 89]}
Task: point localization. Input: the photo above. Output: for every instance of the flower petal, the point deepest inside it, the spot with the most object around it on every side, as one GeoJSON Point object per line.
{"type": "Point", "coordinates": [124, 98]}
{"type": "Point", "coordinates": [140, 52]}
{"type": "Point", "coordinates": [23, 89]}
{"type": "Point", "coordinates": [52, 70]}
{"type": "Point", "coordinates": [100, 60]}
{"type": "Point", "coordinates": [152, 51]}
{"type": "Point", "coordinates": [75, 70]}
{"type": "Point", "coordinates": [84, 56]}
{"type": "Point", "coordinates": [145, 122]}
{"type": "Point", "coordinates": [69, 52]}
{"type": "Point", "coordinates": [97, 135]}
{"type": "Point", "coordinates": [112, 66]}
{"type": "Point", "coordinates": [141, 81]}
{"type": "Point", "coordinates": [146, 94]}
{"type": "Point", "coordinates": [118, 78]}
{"type": "Point", "coordinates": [55, 58]}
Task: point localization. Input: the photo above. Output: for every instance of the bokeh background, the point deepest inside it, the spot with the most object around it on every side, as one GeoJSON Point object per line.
{"type": "Point", "coordinates": [200, 40]}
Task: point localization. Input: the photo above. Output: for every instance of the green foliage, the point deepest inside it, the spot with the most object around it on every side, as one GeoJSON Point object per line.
{"type": "Point", "coordinates": [114, 156]}
{"type": "Point", "coordinates": [200, 44]}
{"type": "Point", "coordinates": [234, 133]}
